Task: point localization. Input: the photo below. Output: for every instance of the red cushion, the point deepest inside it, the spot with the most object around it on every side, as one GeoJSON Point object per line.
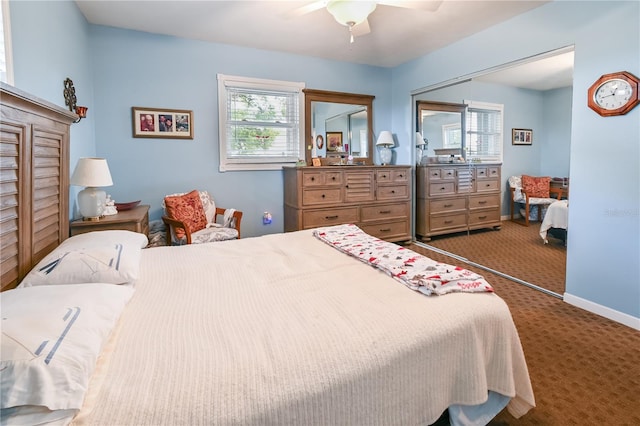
{"type": "Point", "coordinates": [537, 187]}
{"type": "Point", "coordinates": [186, 208]}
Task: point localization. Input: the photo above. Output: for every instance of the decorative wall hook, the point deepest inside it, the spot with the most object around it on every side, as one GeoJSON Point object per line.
{"type": "Point", "coordinates": [70, 100]}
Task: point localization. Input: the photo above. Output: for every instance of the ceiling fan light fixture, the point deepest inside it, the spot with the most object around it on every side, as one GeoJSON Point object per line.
{"type": "Point", "coordinates": [350, 12]}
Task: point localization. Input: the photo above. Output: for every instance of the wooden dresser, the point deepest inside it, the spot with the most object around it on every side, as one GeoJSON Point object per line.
{"type": "Point", "coordinates": [376, 198]}
{"type": "Point", "coordinates": [456, 197]}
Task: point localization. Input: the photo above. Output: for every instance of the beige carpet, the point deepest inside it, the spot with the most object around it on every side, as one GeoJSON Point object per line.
{"type": "Point", "coordinates": [514, 250]}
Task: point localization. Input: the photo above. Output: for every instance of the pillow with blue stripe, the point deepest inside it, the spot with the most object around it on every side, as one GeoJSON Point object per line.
{"type": "Point", "coordinates": [111, 257]}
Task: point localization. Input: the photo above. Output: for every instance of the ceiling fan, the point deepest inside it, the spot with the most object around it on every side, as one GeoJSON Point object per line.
{"type": "Point", "coordinates": [354, 13]}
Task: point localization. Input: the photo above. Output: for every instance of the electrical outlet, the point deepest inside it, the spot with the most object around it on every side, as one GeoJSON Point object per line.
{"type": "Point", "coordinates": [266, 218]}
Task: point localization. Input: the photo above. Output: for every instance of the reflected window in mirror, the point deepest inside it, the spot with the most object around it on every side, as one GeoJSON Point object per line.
{"type": "Point", "coordinates": [343, 121]}
{"type": "Point", "coordinates": [485, 133]}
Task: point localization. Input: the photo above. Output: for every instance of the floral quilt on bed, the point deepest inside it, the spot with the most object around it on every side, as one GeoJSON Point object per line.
{"type": "Point", "coordinates": [416, 271]}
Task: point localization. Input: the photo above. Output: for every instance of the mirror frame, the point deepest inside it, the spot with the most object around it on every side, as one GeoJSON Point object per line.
{"type": "Point", "coordinates": [422, 105]}
{"type": "Point", "coordinates": [314, 95]}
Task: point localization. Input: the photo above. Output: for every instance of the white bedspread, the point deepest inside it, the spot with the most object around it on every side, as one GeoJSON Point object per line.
{"type": "Point", "coordinates": [284, 330]}
{"type": "Point", "coordinates": [557, 216]}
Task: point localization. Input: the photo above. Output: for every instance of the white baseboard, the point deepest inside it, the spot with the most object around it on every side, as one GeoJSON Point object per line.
{"type": "Point", "coordinates": [603, 311]}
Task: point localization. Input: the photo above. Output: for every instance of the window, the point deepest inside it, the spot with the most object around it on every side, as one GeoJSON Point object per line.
{"type": "Point", "coordinates": [484, 131]}
{"type": "Point", "coordinates": [6, 67]}
{"type": "Point", "coordinates": [452, 135]}
{"type": "Point", "coordinates": [259, 123]}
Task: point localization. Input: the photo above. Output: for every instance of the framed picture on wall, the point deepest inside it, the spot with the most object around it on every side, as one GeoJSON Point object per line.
{"type": "Point", "coordinates": [162, 123]}
{"type": "Point", "coordinates": [521, 136]}
{"type": "Point", "coordinates": [334, 141]}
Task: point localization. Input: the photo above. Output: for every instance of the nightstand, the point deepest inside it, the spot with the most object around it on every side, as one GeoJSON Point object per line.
{"type": "Point", "coordinates": [136, 220]}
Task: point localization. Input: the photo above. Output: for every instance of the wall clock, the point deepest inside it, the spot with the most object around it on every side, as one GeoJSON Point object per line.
{"type": "Point", "coordinates": [614, 94]}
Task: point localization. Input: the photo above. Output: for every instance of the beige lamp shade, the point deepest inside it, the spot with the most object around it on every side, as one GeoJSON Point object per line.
{"type": "Point", "coordinates": [385, 138]}
{"type": "Point", "coordinates": [419, 139]}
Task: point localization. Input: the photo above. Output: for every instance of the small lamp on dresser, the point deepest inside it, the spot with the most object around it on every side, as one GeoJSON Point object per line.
{"type": "Point", "coordinates": [421, 146]}
{"type": "Point", "coordinates": [385, 142]}
{"type": "Point", "coordinates": [91, 173]}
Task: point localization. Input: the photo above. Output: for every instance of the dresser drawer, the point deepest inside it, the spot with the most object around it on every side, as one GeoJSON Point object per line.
{"type": "Point", "coordinates": [328, 217]}
{"type": "Point", "coordinates": [449, 221]}
{"type": "Point", "coordinates": [489, 172]}
{"type": "Point", "coordinates": [388, 230]}
{"type": "Point", "coordinates": [384, 211]}
{"type": "Point", "coordinates": [393, 192]}
{"type": "Point", "coordinates": [487, 185]}
{"type": "Point", "coordinates": [447, 205]}
{"type": "Point", "coordinates": [484, 201]}
{"type": "Point", "coordinates": [321, 178]}
{"type": "Point", "coordinates": [392, 176]}
{"type": "Point", "coordinates": [311, 197]}
{"type": "Point", "coordinates": [442, 188]}
{"type": "Point", "coordinates": [484, 216]}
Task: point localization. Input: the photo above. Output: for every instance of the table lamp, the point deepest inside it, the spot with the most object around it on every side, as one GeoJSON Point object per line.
{"type": "Point", "coordinates": [91, 173]}
{"type": "Point", "coordinates": [385, 142]}
{"type": "Point", "coordinates": [421, 146]}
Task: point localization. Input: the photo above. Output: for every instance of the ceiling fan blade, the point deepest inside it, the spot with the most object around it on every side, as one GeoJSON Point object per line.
{"type": "Point", "coordinates": [303, 10]}
{"type": "Point", "coordinates": [429, 5]}
{"type": "Point", "coordinates": [361, 29]}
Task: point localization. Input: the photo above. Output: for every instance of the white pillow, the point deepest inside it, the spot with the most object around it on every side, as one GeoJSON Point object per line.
{"type": "Point", "coordinates": [95, 257]}
{"type": "Point", "coordinates": [51, 339]}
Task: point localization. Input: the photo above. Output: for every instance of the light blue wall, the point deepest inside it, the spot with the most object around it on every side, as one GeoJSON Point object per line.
{"type": "Point", "coordinates": [603, 260]}
{"type": "Point", "coordinates": [555, 137]}
{"type": "Point", "coordinates": [50, 41]}
{"type": "Point", "coordinates": [139, 69]}
{"type": "Point", "coordinates": [116, 69]}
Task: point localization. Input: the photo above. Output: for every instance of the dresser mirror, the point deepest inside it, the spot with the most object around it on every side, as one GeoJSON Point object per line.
{"type": "Point", "coordinates": [441, 125]}
{"type": "Point", "coordinates": [338, 125]}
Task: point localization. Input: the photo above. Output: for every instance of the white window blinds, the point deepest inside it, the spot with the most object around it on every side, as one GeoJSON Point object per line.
{"type": "Point", "coordinates": [259, 123]}
{"type": "Point", "coordinates": [484, 136]}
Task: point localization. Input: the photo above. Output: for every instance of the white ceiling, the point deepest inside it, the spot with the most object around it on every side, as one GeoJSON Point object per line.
{"type": "Point", "coordinates": [398, 34]}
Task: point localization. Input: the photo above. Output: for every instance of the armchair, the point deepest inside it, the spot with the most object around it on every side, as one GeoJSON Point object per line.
{"type": "Point", "coordinates": [529, 191]}
{"type": "Point", "coordinates": [192, 218]}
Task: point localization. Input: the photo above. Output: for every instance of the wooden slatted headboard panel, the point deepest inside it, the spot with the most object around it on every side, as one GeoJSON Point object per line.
{"type": "Point", "coordinates": [34, 181]}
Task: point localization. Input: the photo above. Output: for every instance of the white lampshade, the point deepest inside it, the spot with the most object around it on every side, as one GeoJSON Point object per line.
{"type": "Point", "coordinates": [92, 173]}
{"type": "Point", "coordinates": [350, 12]}
{"type": "Point", "coordinates": [385, 138]}
{"type": "Point", "coordinates": [419, 139]}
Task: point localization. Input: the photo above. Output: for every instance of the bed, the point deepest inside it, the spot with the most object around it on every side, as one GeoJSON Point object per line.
{"type": "Point", "coordinates": [283, 329]}
{"type": "Point", "coordinates": [556, 221]}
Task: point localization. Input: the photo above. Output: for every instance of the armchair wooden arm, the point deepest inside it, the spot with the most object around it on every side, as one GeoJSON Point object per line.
{"type": "Point", "coordinates": [172, 224]}
{"type": "Point", "coordinates": [237, 215]}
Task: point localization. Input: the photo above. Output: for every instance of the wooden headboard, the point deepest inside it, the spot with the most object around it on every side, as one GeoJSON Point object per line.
{"type": "Point", "coordinates": [34, 181]}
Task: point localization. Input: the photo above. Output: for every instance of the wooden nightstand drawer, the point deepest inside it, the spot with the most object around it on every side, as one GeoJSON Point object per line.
{"type": "Point", "coordinates": [484, 216]}
{"type": "Point", "coordinates": [392, 176]}
{"type": "Point", "coordinates": [384, 212]}
{"type": "Point", "coordinates": [311, 197]}
{"type": "Point", "coordinates": [135, 220]}
{"type": "Point", "coordinates": [316, 218]}
{"type": "Point", "coordinates": [449, 221]}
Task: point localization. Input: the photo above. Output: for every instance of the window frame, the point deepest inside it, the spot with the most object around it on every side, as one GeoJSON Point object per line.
{"type": "Point", "coordinates": [8, 50]}
{"type": "Point", "coordinates": [500, 145]}
{"type": "Point", "coordinates": [255, 163]}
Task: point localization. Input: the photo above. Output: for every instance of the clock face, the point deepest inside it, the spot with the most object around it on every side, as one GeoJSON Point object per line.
{"type": "Point", "coordinates": [613, 94]}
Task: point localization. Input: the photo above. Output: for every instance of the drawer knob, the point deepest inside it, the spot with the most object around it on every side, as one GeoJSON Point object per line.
{"type": "Point", "coordinates": [331, 217]}
{"type": "Point", "coordinates": [385, 211]}
{"type": "Point", "coordinates": [482, 202]}
{"type": "Point", "coordinates": [393, 191]}
{"type": "Point", "coordinates": [322, 195]}
{"type": "Point", "coordinates": [482, 217]}
{"type": "Point", "coordinates": [448, 222]}
{"type": "Point", "coordinates": [333, 178]}
{"type": "Point", "coordinates": [448, 205]}
{"type": "Point", "coordinates": [385, 230]}
{"type": "Point", "coordinates": [400, 176]}
{"type": "Point", "coordinates": [312, 179]}
{"type": "Point", "coordinates": [443, 188]}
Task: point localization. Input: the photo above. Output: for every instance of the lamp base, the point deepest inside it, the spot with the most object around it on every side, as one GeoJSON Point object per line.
{"type": "Point", "coordinates": [385, 155]}
{"type": "Point", "coordinates": [91, 203]}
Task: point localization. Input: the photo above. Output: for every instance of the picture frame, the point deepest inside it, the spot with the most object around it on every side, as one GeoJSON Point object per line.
{"type": "Point", "coordinates": [521, 136]}
{"type": "Point", "coordinates": [334, 141]}
{"type": "Point", "coordinates": [319, 141]}
{"type": "Point", "coordinates": [162, 123]}
{"type": "Point", "coordinates": [315, 161]}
